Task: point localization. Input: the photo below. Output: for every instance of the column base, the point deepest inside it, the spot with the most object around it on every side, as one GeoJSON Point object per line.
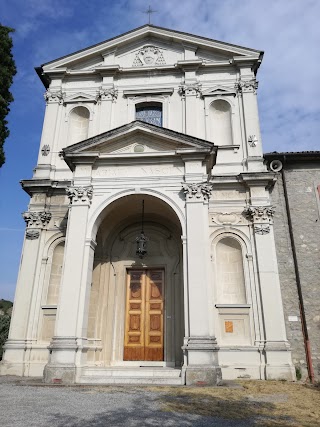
{"type": "Point", "coordinates": [59, 374]}
{"type": "Point", "coordinates": [203, 375]}
{"type": "Point", "coordinates": [202, 361]}
{"type": "Point", "coordinates": [14, 357]}
{"type": "Point", "coordinates": [279, 364]}
{"type": "Point", "coordinates": [61, 368]}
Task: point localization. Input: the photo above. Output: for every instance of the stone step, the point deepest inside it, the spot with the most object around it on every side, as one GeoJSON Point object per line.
{"type": "Point", "coordinates": [130, 375]}
{"type": "Point", "coordinates": [131, 380]}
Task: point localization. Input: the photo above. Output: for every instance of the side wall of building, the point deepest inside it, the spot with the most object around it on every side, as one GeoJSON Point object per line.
{"type": "Point", "coordinates": [302, 182]}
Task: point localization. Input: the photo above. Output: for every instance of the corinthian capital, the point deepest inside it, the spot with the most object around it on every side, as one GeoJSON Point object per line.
{"type": "Point", "coordinates": [78, 195]}
{"type": "Point", "coordinates": [260, 214]}
{"type": "Point", "coordinates": [36, 219]}
{"type": "Point", "coordinates": [243, 86]}
{"type": "Point", "coordinates": [190, 89]}
{"type": "Point", "coordinates": [52, 96]}
{"type": "Point", "coordinates": [197, 191]}
{"type": "Point", "coordinates": [109, 94]}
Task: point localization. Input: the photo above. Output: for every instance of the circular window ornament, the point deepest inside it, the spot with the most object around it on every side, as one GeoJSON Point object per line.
{"type": "Point", "coordinates": [138, 148]}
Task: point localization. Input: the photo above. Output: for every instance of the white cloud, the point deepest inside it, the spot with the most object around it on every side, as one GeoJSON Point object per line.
{"type": "Point", "coordinates": [288, 32]}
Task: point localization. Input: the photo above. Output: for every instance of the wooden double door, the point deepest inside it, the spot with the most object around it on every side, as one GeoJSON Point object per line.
{"type": "Point", "coordinates": [144, 327]}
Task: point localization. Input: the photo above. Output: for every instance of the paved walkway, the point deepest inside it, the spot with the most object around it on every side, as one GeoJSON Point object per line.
{"type": "Point", "coordinates": [28, 403]}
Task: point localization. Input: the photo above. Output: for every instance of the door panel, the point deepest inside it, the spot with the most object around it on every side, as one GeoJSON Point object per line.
{"type": "Point", "coordinates": [144, 315]}
{"type": "Point", "coordinates": [135, 316]}
{"type": "Point", "coordinates": [154, 315]}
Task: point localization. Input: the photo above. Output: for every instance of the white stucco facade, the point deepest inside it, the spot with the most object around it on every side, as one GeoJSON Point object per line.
{"type": "Point", "coordinates": [208, 217]}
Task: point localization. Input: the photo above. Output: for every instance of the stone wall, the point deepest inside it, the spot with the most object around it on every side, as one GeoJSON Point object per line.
{"type": "Point", "coordinates": [302, 182]}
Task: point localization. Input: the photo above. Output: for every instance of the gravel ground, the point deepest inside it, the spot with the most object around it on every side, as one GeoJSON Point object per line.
{"type": "Point", "coordinates": [28, 403]}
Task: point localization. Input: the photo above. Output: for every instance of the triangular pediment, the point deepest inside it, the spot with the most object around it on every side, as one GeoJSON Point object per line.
{"type": "Point", "coordinates": [149, 46]}
{"type": "Point", "coordinates": [80, 97]}
{"type": "Point", "coordinates": [219, 90]}
{"type": "Point", "coordinates": [137, 139]}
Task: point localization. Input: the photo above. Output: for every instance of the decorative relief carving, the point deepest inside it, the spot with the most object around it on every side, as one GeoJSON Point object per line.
{"type": "Point", "coordinates": [37, 219]}
{"type": "Point", "coordinates": [228, 218]}
{"type": "Point", "coordinates": [190, 89]}
{"type": "Point", "coordinates": [243, 86]}
{"type": "Point", "coordinates": [54, 96]}
{"type": "Point", "coordinates": [260, 214]}
{"type": "Point", "coordinates": [252, 140]}
{"type": "Point", "coordinates": [149, 55]}
{"type": "Point", "coordinates": [107, 94]}
{"type": "Point", "coordinates": [197, 191]}
{"type": "Point", "coordinates": [80, 194]}
{"type": "Point", "coordinates": [262, 229]}
{"type": "Point", "coordinates": [45, 150]}
{"type": "Point", "coordinates": [32, 234]}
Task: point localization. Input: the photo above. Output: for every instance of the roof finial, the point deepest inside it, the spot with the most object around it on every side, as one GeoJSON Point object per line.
{"type": "Point", "coordinates": [149, 11]}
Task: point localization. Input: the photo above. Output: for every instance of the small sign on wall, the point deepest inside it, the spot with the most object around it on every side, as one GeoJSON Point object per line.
{"type": "Point", "coordinates": [228, 326]}
{"type": "Point", "coordinates": [293, 318]}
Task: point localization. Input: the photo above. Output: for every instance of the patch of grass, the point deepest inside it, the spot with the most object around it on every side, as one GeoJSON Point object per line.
{"type": "Point", "coordinates": [298, 373]}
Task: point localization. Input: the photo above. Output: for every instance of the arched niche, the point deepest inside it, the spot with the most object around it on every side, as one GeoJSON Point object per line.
{"type": "Point", "coordinates": [49, 309]}
{"type": "Point", "coordinates": [230, 272]}
{"type": "Point", "coordinates": [55, 275]}
{"type": "Point", "coordinates": [221, 122]}
{"type": "Point", "coordinates": [115, 257]}
{"type": "Point", "coordinates": [78, 124]}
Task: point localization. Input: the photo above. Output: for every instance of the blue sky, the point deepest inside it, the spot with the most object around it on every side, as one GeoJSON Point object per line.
{"type": "Point", "coordinates": [288, 32]}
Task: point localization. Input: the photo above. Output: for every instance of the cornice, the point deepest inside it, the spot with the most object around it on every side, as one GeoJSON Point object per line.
{"type": "Point", "coordinates": [267, 179]}
{"type": "Point", "coordinates": [294, 157]}
{"type": "Point", "coordinates": [73, 159]}
{"type": "Point", "coordinates": [47, 186]}
{"type": "Point", "coordinates": [190, 64]}
{"type": "Point", "coordinates": [258, 178]}
{"type": "Point", "coordinates": [150, 91]}
{"type": "Point", "coordinates": [46, 75]}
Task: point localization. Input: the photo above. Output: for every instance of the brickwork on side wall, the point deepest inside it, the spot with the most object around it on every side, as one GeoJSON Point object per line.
{"type": "Point", "coordinates": [304, 207]}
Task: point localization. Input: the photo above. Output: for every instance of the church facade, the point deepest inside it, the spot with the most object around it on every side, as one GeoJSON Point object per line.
{"type": "Point", "coordinates": [149, 253]}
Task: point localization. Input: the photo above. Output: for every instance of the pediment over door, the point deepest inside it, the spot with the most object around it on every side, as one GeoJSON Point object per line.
{"type": "Point", "coordinates": [137, 140]}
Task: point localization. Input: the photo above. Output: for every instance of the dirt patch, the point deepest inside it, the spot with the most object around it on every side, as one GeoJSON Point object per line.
{"type": "Point", "coordinates": [266, 403]}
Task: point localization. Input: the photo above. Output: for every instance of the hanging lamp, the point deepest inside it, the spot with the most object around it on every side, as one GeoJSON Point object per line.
{"type": "Point", "coordinates": [142, 239]}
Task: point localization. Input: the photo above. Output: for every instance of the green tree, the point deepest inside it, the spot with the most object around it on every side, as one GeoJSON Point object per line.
{"type": "Point", "coordinates": [4, 331]}
{"type": "Point", "coordinates": [7, 71]}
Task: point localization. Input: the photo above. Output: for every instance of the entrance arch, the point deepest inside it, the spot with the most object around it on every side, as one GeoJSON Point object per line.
{"type": "Point", "coordinates": [114, 320]}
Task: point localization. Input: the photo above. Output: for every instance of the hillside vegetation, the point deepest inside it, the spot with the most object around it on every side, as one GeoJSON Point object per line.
{"type": "Point", "coordinates": [5, 317]}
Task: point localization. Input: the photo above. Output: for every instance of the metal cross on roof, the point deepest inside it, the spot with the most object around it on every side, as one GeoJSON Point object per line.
{"type": "Point", "coordinates": [149, 11]}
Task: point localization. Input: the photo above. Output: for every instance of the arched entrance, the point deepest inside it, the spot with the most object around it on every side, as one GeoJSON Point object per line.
{"type": "Point", "coordinates": [136, 305]}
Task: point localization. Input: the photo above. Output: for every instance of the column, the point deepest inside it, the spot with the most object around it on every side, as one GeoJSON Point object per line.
{"type": "Point", "coordinates": [247, 90]}
{"type": "Point", "coordinates": [54, 100]}
{"type": "Point", "coordinates": [191, 93]}
{"type": "Point", "coordinates": [67, 339]}
{"type": "Point", "coordinates": [276, 346]}
{"type": "Point", "coordinates": [107, 96]}
{"type": "Point", "coordinates": [200, 348]}
{"type": "Point", "coordinates": [14, 359]}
